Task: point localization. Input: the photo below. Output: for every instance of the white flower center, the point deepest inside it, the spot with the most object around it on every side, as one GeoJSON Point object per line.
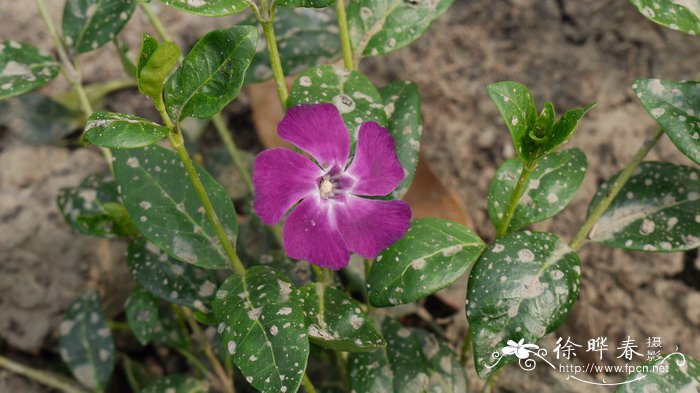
{"type": "Point", "coordinates": [326, 187]}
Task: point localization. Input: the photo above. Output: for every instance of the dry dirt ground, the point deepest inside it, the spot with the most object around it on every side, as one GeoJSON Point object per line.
{"type": "Point", "coordinates": [568, 51]}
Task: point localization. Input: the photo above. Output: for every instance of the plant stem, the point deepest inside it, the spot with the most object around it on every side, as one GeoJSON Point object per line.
{"type": "Point", "coordinates": [178, 143]}
{"type": "Point", "coordinates": [50, 379]}
{"type": "Point", "coordinates": [70, 69]}
{"type": "Point", "coordinates": [528, 167]}
{"type": "Point", "coordinates": [208, 351]}
{"type": "Point", "coordinates": [275, 62]}
{"type": "Point", "coordinates": [225, 134]}
{"type": "Point", "coordinates": [344, 35]}
{"type": "Point", "coordinates": [614, 189]}
{"type": "Point", "coordinates": [195, 362]}
{"type": "Point", "coordinates": [155, 21]}
{"type": "Point", "coordinates": [308, 386]}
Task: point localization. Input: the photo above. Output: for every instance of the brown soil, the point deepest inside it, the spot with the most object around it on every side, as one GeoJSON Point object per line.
{"type": "Point", "coordinates": [571, 52]}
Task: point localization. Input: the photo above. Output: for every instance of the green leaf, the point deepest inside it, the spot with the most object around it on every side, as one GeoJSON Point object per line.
{"type": "Point", "coordinates": [305, 38]}
{"type": "Point", "coordinates": [517, 108]}
{"type": "Point", "coordinates": [211, 75]}
{"type": "Point", "coordinates": [533, 136]}
{"type": "Point", "coordinates": [177, 384]}
{"type": "Point", "coordinates": [336, 321]}
{"type": "Point", "coordinates": [165, 208]}
{"type": "Point", "coordinates": [671, 373]}
{"type": "Point", "coordinates": [94, 208]}
{"type": "Point", "coordinates": [168, 332]}
{"type": "Point", "coordinates": [38, 119]}
{"type": "Point", "coordinates": [378, 27]}
{"type": "Point", "coordinates": [155, 62]}
{"type": "Point", "coordinates": [262, 326]}
{"type": "Point", "coordinates": [350, 91]}
{"type": "Point", "coordinates": [658, 209]}
{"type": "Point", "coordinates": [414, 361]}
{"type": "Point", "coordinates": [23, 68]}
{"type": "Point", "coordinates": [123, 51]}
{"type": "Point", "coordinates": [676, 108]}
{"type": "Point", "coordinates": [681, 15]}
{"type": "Point", "coordinates": [522, 287]}
{"type": "Point", "coordinates": [121, 131]}
{"type": "Point", "coordinates": [86, 342]}
{"type": "Point", "coordinates": [433, 254]}
{"type": "Point", "coordinates": [305, 3]}
{"type": "Point", "coordinates": [142, 314]}
{"type": "Point", "coordinates": [402, 105]}
{"type": "Point", "coordinates": [552, 185]}
{"type": "Point", "coordinates": [208, 7]}
{"type": "Point", "coordinates": [169, 279]}
{"type": "Point", "coordinates": [89, 24]}
{"type": "Point", "coordinates": [564, 128]}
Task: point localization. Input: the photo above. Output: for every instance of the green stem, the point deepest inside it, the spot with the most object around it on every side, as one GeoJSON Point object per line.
{"type": "Point", "coordinates": [275, 62]}
{"type": "Point", "coordinates": [528, 167]}
{"type": "Point", "coordinates": [52, 380]}
{"type": "Point", "coordinates": [178, 143]}
{"type": "Point", "coordinates": [308, 386]}
{"type": "Point", "coordinates": [195, 362]}
{"type": "Point", "coordinates": [225, 135]}
{"type": "Point", "coordinates": [614, 189]}
{"type": "Point", "coordinates": [466, 347]}
{"type": "Point", "coordinates": [344, 35]}
{"type": "Point", "coordinates": [155, 22]}
{"type": "Point", "coordinates": [70, 69]}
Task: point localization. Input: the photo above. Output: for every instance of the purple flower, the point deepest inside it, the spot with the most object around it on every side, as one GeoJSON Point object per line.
{"type": "Point", "coordinates": [332, 217]}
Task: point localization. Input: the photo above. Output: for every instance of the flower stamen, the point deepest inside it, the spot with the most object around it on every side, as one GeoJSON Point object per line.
{"type": "Point", "coordinates": [326, 187]}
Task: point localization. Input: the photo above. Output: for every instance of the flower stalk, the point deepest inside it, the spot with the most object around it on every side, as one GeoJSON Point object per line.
{"type": "Point", "coordinates": [580, 237]}
{"type": "Point", "coordinates": [234, 152]}
{"type": "Point", "coordinates": [344, 35]}
{"type": "Point", "coordinates": [520, 187]}
{"type": "Point", "coordinates": [275, 61]}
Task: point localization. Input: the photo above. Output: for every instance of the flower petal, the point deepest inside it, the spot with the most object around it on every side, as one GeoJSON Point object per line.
{"type": "Point", "coordinates": [310, 233]}
{"type": "Point", "coordinates": [368, 226]}
{"type": "Point", "coordinates": [376, 167]}
{"type": "Point", "coordinates": [318, 130]}
{"type": "Point", "coordinates": [281, 178]}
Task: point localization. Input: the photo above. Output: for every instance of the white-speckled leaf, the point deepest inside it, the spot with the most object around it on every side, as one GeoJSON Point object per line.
{"type": "Point", "coordinates": [352, 93]}
{"type": "Point", "coordinates": [165, 208]}
{"type": "Point", "coordinates": [414, 361]}
{"type": "Point", "coordinates": [657, 210]}
{"type": "Point", "coordinates": [121, 131]}
{"type": "Point", "coordinates": [671, 373]}
{"type": "Point", "coordinates": [402, 106]}
{"type": "Point", "coordinates": [681, 15]}
{"type": "Point", "coordinates": [552, 185]}
{"type": "Point", "coordinates": [517, 107]}
{"type": "Point", "coordinates": [208, 7]}
{"type": "Point", "coordinates": [211, 75]}
{"type": "Point", "coordinates": [177, 384]}
{"type": "Point", "coordinates": [432, 255]}
{"type": "Point", "coordinates": [89, 24]}
{"type": "Point", "coordinates": [676, 107]}
{"type": "Point", "coordinates": [94, 208]}
{"type": "Point", "coordinates": [305, 38]}
{"type": "Point", "coordinates": [261, 323]}
{"type": "Point", "coordinates": [23, 68]}
{"type": "Point", "coordinates": [142, 314]}
{"type": "Point", "coordinates": [85, 342]}
{"type": "Point", "coordinates": [336, 321]}
{"type": "Point", "coordinates": [382, 26]}
{"type": "Point", "coordinates": [522, 287]}
{"type": "Point", "coordinates": [168, 278]}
